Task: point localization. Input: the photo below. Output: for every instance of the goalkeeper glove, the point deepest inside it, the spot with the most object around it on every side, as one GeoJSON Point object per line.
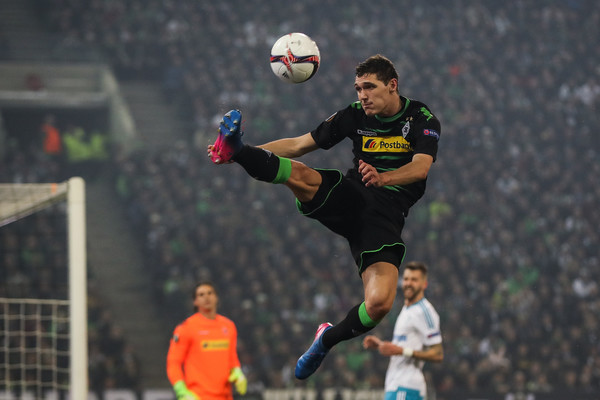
{"type": "Point", "coordinates": [183, 393]}
{"type": "Point", "coordinates": [237, 377]}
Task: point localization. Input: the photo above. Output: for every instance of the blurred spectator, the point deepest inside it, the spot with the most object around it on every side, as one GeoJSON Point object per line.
{"type": "Point", "coordinates": [34, 82]}
{"type": "Point", "coordinates": [52, 139]}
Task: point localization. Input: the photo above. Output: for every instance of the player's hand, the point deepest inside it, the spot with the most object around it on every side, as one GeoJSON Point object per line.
{"type": "Point", "coordinates": [370, 175]}
{"type": "Point", "coordinates": [239, 380]}
{"type": "Point", "coordinates": [371, 342]}
{"type": "Point", "coordinates": [183, 393]}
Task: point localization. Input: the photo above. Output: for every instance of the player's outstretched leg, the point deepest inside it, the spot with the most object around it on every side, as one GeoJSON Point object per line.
{"type": "Point", "coordinates": [309, 362]}
{"type": "Point", "coordinates": [229, 141]}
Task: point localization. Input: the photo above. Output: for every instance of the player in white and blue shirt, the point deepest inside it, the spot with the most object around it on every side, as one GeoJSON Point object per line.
{"type": "Point", "coordinates": [417, 338]}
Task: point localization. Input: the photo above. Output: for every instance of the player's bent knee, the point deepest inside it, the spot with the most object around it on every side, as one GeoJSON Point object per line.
{"type": "Point", "coordinates": [378, 309]}
{"type": "Point", "coordinates": [303, 173]}
{"type": "Point", "coordinates": [303, 181]}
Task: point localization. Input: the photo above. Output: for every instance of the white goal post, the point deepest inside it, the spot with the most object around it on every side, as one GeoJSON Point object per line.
{"type": "Point", "coordinates": [18, 201]}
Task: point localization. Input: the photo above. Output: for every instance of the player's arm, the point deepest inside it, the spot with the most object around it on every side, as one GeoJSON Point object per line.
{"type": "Point", "coordinates": [176, 354]}
{"type": "Point", "coordinates": [236, 375]}
{"type": "Point", "coordinates": [292, 147]}
{"type": "Point", "coordinates": [414, 171]}
{"type": "Point", "coordinates": [434, 353]}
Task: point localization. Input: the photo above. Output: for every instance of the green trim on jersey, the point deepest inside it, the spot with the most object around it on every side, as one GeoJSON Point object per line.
{"type": "Point", "coordinates": [385, 143]}
{"type": "Point", "coordinates": [395, 188]}
{"type": "Point", "coordinates": [385, 157]}
{"type": "Point", "coordinates": [426, 113]}
{"type": "Point", "coordinates": [299, 204]}
{"type": "Point", "coordinates": [360, 266]}
{"type": "Point", "coordinates": [358, 106]}
{"type": "Point", "coordinates": [395, 117]}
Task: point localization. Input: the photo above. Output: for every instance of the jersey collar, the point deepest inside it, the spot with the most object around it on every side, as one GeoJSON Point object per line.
{"type": "Point", "coordinates": [406, 102]}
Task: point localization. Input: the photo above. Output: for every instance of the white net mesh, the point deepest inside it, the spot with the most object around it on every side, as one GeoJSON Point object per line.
{"type": "Point", "coordinates": [20, 200]}
{"type": "Point", "coordinates": [35, 342]}
{"type": "Point", "coordinates": [43, 353]}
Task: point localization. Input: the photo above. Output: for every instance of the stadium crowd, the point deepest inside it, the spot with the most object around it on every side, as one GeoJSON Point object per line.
{"type": "Point", "coordinates": [33, 264]}
{"type": "Point", "coordinates": [509, 223]}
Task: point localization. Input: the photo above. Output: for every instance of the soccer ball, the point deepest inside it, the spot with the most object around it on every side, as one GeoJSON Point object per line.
{"type": "Point", "coordinates": [295, 58]}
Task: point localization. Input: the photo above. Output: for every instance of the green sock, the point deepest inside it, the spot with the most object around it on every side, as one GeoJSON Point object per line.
{"type": "Point", "coordinates": [364, 317]}
{"type": "Point", "coordinates": [355, 324]}
{"type": "Point", "coordinates": [285, 170]}
{"type": "Point", "coordinates": [264, 165]}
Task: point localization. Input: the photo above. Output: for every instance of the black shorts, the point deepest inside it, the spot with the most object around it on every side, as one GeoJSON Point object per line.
{"type": "Point", "coordinates": [369, 218]}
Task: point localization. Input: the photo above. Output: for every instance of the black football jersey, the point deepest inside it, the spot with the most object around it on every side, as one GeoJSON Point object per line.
{"type": "Point", "coordinates": [386, 143]}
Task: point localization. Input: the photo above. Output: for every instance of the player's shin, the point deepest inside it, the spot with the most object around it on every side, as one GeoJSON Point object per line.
{"type": "Point", "coordinates": [263, 165]}
{"type": "Point", "coordinates": [356, 323]}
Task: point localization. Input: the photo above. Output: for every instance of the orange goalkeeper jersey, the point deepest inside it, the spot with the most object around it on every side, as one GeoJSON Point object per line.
{"type": "Point", "coordinates": [202, 353]}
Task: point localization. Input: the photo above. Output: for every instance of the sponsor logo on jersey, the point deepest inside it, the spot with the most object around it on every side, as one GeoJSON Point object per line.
{"type": "Point", "coordinates": [211, 345]}
{"type": "Point", "coordinates": [365, 133]}
{"type": "Point", "coordinates": [400, 338]}
{"type": "Point", "coordinates": [433, 334]}
{"type": "Point", "coordinates": [431, 132]}
{"type": "Point", "coordinates": [390, 144]}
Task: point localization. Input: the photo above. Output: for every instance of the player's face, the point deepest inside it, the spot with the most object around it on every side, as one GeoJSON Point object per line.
{"type": "Point", "coordinates": [206, 298]}
{"type": "Point", "coordinates": [376, 97]}
{"type": "Point", "coordinates": [414, 284]}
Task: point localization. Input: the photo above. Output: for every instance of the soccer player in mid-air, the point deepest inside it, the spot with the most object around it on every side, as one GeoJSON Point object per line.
{"type": "Point", "coordinates": [417, 338]}
{"type": "Point", "coordinates": [395, 142]}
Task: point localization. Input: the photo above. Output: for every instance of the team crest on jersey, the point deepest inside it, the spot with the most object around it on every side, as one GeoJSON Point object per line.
{"type": "Point", "coordinates": [211, 345]}
{"type": "Point", "coordinates": [389, 144]}
{"type": "Point", "coordinates": [405, 129]}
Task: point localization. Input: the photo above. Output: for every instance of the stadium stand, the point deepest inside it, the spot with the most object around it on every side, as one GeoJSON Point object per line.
{"type": "Point", "coordinates": [509, 224]}
{"type": "Point", "coordinates": [33, 265]}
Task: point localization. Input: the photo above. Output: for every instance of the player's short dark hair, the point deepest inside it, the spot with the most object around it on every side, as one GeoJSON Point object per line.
{"type": "Point", "coordinates": [204, 283]}
{"type": "Point", "coordinates": [417, 266]}
{"type": "Point", "coordinates": [379, 65]}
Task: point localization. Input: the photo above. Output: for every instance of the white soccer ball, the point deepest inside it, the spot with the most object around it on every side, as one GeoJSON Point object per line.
{"type": "Point", "coordinates": [295, 58]}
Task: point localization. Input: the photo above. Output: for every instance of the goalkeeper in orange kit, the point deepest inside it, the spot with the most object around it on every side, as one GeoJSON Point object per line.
{"type": "Point", "coordinates": [202, 362]}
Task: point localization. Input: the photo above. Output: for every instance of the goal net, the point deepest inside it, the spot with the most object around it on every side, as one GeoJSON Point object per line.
{"type": "Point", "coordinates": [43, 293]}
